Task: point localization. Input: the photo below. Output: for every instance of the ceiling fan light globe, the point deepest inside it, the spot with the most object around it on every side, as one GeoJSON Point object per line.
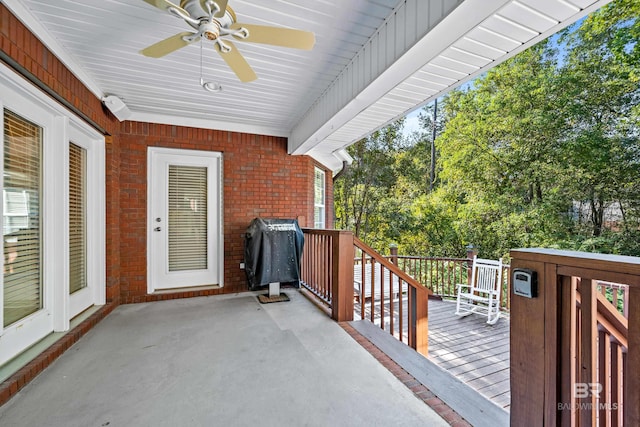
{"type": "Point", "coordinates": [212, 87]}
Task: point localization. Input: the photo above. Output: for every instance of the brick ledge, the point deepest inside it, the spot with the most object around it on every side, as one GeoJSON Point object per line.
{"type": "Point", "coordinates": [422, 392]}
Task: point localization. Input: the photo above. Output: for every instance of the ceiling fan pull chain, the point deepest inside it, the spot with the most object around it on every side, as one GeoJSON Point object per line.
{"type": "Point", "coordinates": [201, 78]}
{"type": "Point", "coordinates": [208, 86]}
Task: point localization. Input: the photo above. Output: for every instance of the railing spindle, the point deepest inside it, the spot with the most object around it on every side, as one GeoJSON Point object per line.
{"type": "Point", "coordinates": [391, 293]}
{"type": "Point", "coordinates": [400, 313]}
{"type": "Point", "coordinates": [382, 298]}
{"type": "Point", "coordinates": [588, 347]}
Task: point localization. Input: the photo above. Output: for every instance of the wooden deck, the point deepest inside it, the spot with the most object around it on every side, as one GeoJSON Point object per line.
{"type": "Point", "coordinates": [467, 347]}
{"type": "Point", "coordinates": [473, 351]}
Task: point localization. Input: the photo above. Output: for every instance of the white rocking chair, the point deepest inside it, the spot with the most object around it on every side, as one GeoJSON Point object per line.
{"type": "Point", "coordinates": [482, 296]}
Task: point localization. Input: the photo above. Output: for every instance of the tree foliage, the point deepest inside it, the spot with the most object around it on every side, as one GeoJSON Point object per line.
{"type": "Point", "coordinates": [542, 150]}
{"type": "Point", "coordinates": [361, 194]}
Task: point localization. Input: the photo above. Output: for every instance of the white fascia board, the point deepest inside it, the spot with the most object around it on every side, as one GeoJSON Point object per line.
{"type": "Point", "coordinates": [562, 25]}
{"type": "Point", "coordinates": [326, 159]}
{"type": "Point", "coordinates": [461, 20]}
{"type": "Point", "coordinates": [166, 119]}
{"type": "Point", "coordinates": [316, 143]}
{"type": "Point", "coordinates": [32, 23]}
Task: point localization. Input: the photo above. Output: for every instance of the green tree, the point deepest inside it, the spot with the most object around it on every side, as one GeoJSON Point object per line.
{"type": "Point", "coordinates": [601, 96]}
{"type": "Point", "coordinates": [497, 153]}
{"type": "Point", "coordinates": [361, 191]}
{"type": "Point", "coordinates": [532, 153]}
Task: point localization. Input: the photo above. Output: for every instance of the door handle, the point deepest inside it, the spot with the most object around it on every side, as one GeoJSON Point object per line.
{"type": "Point", "coordinates": [157, 229]}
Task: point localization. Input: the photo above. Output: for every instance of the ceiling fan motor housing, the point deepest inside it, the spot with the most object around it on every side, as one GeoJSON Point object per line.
{"type": "Point", "coordinates": [215, 20]}
{"type": "Point", "coordinates": [198, 12]}
{"type": "Point", "coordinates": [210, 30]}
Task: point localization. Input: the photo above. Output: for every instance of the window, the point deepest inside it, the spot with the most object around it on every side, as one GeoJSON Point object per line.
{"type": "Point", "coordinates": [319, 208]}
{"type": "Point", "coordinates": [187, 218]}
{"type": "Point", "coordinates": [21, 218]}
{"type": "Point", "coordinates": [77, 218]}
{"type": "Point", "coordinates": [53, 212]}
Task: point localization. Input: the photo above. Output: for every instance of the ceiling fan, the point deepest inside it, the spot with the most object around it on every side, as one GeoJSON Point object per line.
{"type": "Point", "coordinates": [214, 20]}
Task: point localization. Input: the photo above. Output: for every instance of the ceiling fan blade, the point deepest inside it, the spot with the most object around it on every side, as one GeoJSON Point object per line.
{"type": "Point", "coordinates": [221, 3]}
{"type": "Point", "coordinates": [237, 63]}
{"type": "Point", "coordinates": [166, 5]}
{"type": "Point", "coordinates": [167, 46]}
{"type": "Point", "coordinates": [277, 36]}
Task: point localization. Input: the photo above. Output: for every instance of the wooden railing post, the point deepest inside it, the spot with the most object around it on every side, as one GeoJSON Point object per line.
{"type": "Point", "coordinates": [472, 251]}
{"type": "Point", "coordinates": [419, 321]}
{"type": "Point", "coordinates": [568, 363]}
{"type": "Point", "coordinates": [393, 252]}
{"type": "Point", "coordinates": [527, 346]}
{"type": "Point", "coordinates": [631, 398]}
{"type": "Point", "coordinates": [342, 277]}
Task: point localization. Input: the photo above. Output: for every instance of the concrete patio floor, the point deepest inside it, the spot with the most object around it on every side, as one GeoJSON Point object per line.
{"type": "Point", "coordinates": [223, 361]}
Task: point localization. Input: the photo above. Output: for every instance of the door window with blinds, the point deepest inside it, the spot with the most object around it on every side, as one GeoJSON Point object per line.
{"type": "Point", "coordinates": [184, 206]}
{"type": "Point", "coordinates": [77, 218]}
{"type": "Point", "coordinates": [22, 286]}
{"type": "Point", "coordinates": [187, 201]}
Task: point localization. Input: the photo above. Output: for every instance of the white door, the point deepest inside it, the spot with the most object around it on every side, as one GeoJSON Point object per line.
{"type": "Point", "coordinates": [184, 219]}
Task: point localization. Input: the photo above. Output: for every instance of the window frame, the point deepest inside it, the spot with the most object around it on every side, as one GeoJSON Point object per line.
{"type": "Point", "coordinates": [94, 293]}
{"type": "Point", "coordinates": [319, 223]}
{"type": "Point", "coordinates": [58, 126]}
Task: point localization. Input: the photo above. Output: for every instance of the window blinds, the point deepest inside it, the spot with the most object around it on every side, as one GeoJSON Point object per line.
{"type": "Point", "coordinates": [187, 218]}
{"type": "Point", "coordinates": [21, 218]}
{"type": "Point", "coordinates": [77, 218]}
{"type": "Point", "coordinates": [319, 212]}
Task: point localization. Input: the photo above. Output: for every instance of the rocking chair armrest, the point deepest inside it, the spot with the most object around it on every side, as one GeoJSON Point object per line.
{"type": "Point", "coordinates": [462, 285]}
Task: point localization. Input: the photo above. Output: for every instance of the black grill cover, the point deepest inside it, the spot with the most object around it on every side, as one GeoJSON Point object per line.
{"type": "Point", "coordinates": [272, 251]}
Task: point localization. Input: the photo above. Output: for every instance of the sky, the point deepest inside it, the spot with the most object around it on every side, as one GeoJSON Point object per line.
{"type": "Point", "coordinates": [411, 122]}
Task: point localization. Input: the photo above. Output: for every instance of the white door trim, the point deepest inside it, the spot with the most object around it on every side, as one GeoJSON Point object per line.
{"type": "Point", "coordinates": [94, 293]}
{"type": "Point", "coordinates": [156, 264]}
{"type": "Point", "coordinates": [58, 125]}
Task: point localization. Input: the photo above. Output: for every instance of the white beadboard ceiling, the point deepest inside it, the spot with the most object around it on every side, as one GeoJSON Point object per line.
{"type": "Point", "coordinates": [374, 60]}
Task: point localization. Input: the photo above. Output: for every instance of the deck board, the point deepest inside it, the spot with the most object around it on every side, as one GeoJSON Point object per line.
{"type": "Point", "coordinates": [466, 401]}
{"type": "Point", "coordinates": [467, 347]}
{"type": "Point", "coordinates": [477, 353]}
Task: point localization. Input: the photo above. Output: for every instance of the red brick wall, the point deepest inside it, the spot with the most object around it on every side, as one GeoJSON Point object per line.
{"type": "Point", "coordinates": [260, 180]}
{"type": "Point", "coordinates": [24, 48]}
